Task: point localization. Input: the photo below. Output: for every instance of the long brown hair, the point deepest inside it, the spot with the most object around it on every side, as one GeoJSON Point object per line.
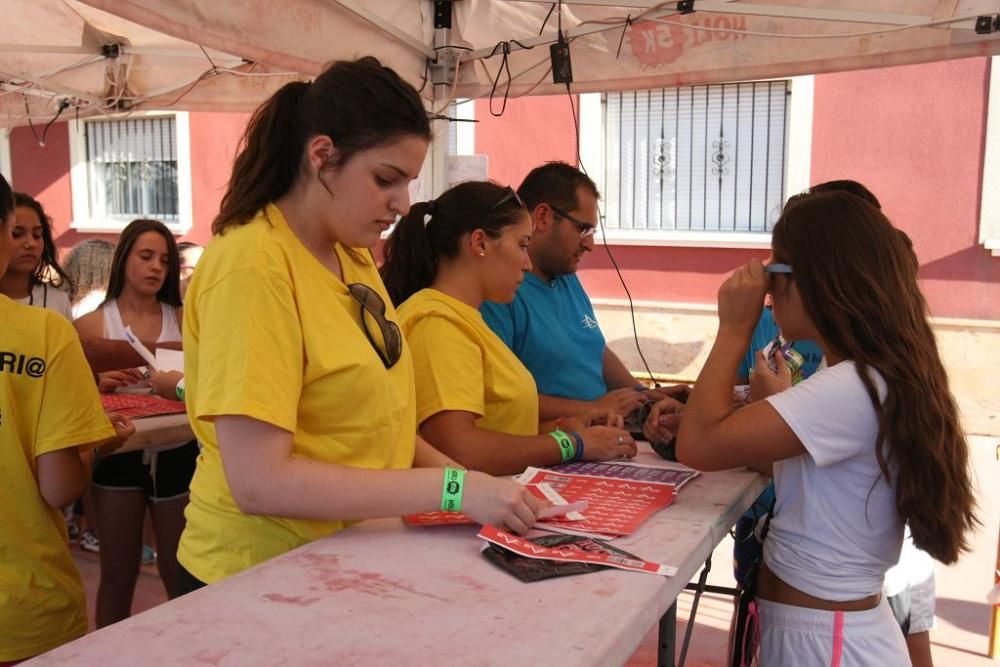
{"type": "Point", "coordinates": [431, 231]}
{"type": "Point", "coordinates": [48, 264]}
{"type": "Point", "coordinates": [857, 278]}
{"type": "Point", "coordinates": [170, 291]}
{"type": "Point", "coordinates": [359, 104]}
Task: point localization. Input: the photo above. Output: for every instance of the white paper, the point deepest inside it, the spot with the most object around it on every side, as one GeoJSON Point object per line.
{"type": "Point", "coordinates": [137, 345]}
{"type": "Point", "coordinates": [169, 360]}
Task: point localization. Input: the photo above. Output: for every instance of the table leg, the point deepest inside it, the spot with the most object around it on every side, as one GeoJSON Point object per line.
{"type": "Point", "coordinates": [698, 590]}
{"type": "Point", "coordinates": [668, 638]}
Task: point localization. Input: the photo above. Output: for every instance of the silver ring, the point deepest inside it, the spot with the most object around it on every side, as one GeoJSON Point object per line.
{"type": "Point", "coordinates": [621, 440]}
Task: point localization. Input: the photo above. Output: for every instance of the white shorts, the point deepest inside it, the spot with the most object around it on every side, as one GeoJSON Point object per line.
{"type": "Point", "coordinates": [801, 637]}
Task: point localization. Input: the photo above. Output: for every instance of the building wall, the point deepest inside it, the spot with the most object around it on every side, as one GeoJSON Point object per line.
{"type": "Point", "coordinates": [44, 172]}
{"type": "Point", "coordinates": [913, 134]}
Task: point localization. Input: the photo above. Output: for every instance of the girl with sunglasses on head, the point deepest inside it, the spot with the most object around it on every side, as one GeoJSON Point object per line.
{"type": "Point", "coordinates": [476, 401]}
{"type": "Point", "coordinates": [299, 383]}
{"type": "Point", "coordinates": [864, 446]}
{"type": "Point", "coordinates": [34, 276]}
{"type": "Point", "coordinates": [52, 428]}
{"type": "Point", "coordinates": [144, 296]}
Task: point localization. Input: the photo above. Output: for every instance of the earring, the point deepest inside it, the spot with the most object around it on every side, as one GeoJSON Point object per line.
{"type": "Point", "coordinates": [482, 253]}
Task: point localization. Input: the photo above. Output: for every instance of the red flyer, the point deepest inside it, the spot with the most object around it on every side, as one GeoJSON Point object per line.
{"type": "Point", "coordinates": [135, 406]}
{"type": "Point", "coordinates": [580, 550]}
{"type": "Point", "coordinates": [615, 506]}
{"type": "Point", "coordinates": [570, 512]}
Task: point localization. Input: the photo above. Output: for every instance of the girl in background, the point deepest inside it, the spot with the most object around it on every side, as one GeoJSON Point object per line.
{"type": "Point", "coordinates": [34, 276]}
{"type": "Point", "coordinates": [144, 294]}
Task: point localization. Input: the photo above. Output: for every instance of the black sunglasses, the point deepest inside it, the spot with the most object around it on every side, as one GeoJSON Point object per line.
{"type": "Point", "coordinates": [373, 304]}
{"type": "Point", "coordinates": [585, 229]}
{"type": "Point", "coordinates": [510, 194]}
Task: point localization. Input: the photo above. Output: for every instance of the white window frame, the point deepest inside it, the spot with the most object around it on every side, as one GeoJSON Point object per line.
{"type": "Point", "coordinates": [989, 206]}
{"type": "Point", "coordinates": [5, 163]}
{"type": "Point", "coordinates": [83, 221]}
{"type": "Point", "coordinates": [797, 165]}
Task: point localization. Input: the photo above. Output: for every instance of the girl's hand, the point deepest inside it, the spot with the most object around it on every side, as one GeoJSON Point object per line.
{"type": "Point", "coordinates": [741, 297]}
{"type": "Point", "coordinates": [124, 429]}
{"type": "Point", "coordinates": [605, 443]}
{"type": "Point", "coordinates": [599, 417]}
{"type": "Point", "coordinates": [500, 502]}
{"type": "Point", "coordinates": [619, 401]}
{"type": "Point", "coordinates": [764, 382]}
{"type": "Point", "coordinates": [109, 381]}
{"type": "Point", "coordinates": [165, 383]}
{"type": "Point", "coordinates": [664, 420]}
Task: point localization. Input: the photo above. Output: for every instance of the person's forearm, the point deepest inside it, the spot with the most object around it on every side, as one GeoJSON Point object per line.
{"type": "Point", "coordinates": [554, 407]}
{"type": "Point", "coordinates": [107, 355]}
{"type": "Point", "coordinates": [616, 375]}
{"type": "Point", "coordinates": [498, 453]}
{"type": "Point", "coordinates": [711, 398]}
{"type": "Point", "coordinates": [301, 488]}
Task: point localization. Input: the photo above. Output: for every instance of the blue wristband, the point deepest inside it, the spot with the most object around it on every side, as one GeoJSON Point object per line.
{"type": "Point", "coordinates": [640, 387]}
{"type": "Point", "coordinates": [578, 454]}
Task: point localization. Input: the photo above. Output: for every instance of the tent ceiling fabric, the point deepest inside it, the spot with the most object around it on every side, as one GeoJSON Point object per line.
{"type": "Point", "coordinates": [222, 55]}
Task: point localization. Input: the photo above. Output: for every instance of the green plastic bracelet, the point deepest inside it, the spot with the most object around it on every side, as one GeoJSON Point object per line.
{"type": "Point", "coordinates": [451, 490]}
{"type": "Point", "coordinates": [567, 448]}
{"type": "Point", "coordinates": [179, 391]}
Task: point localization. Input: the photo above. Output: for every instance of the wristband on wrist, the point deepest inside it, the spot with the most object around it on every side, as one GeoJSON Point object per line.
{"type": "Point", "coordinates": [578, 452]}
{"type": "Point", "coordinates": [567, 448]}
{"type": "Point", "coordinates": [451, 490]}
{"type": "Point", "coordinates": [179, 391]}
{"type": "Point", "coordinates": [640, 387]}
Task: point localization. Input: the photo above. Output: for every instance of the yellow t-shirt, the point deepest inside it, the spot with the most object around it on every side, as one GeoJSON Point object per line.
{"type": "Point", "coordinates": [460, 364]}
{"type": "Point", "coordinates": [48, 402]}
{"type": "Point", "coordinates": [270, 333]}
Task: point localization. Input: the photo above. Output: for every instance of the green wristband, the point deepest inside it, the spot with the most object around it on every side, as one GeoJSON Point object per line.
{"type": "Point", "coordinates": [451, 490]}
{"type": "Point", "coordinates": [567, 448]}
{"type": "Point", "coordinates": [179, 391]}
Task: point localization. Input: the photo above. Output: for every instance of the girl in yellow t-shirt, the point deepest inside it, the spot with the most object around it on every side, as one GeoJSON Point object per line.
{"type": "Point", "coordinates": [49, 412]}
{"type": "Point", "coordinates": [299, 385]}
{"type": "Point", "coordinates": [476, 401]}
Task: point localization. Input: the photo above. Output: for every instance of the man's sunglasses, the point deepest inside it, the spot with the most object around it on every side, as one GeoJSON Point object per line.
{"type": "Point", "coordinates": [585, 229]}
{"type": "Point", "coordinates": [392, 337]}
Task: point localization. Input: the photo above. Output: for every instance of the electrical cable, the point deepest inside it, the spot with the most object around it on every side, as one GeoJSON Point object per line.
{"type": "Point", "coordinates": [607, 248]}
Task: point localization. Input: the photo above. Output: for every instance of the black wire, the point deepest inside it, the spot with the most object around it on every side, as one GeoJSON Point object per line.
{"type": "Point", "coordinates": [607, 248]}
{"type": "Point", "coordinates": [546, 21]}
{"type": "Point", "coordinates": [210, 61]}
{"type": "Point", "coordinates": [62, 106]}
{"type": "Point", "coordinates": [423, 84]}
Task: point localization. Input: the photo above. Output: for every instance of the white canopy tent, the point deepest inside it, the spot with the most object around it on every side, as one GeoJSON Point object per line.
{"type": "Point", "coordinates": [71, 58]}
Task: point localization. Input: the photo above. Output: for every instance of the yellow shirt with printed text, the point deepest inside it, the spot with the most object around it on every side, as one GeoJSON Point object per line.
{"type": "Point", "coordinates": [460, 364]}
{"type": "Point", "coordinates": [48, 402]}
{"type": "Point", "coordinates": [272, 334]}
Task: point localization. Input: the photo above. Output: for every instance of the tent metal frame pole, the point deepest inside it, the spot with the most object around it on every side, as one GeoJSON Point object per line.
{"type": "Point", "coordinates": [359, 10]}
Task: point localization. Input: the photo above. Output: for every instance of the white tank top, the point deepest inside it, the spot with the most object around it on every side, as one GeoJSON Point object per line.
{"type": "Point", "coordinates": [115, 329]}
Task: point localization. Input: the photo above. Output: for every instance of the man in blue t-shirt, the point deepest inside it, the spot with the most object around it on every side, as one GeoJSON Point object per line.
{"type": "Point", "coordinates": [550, 324]}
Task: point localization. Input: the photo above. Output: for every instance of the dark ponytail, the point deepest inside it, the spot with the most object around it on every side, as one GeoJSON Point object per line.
{"type": "Point", "coordinates": [432, 230]}
{"type": "Point", "coordinates": [358, 104]}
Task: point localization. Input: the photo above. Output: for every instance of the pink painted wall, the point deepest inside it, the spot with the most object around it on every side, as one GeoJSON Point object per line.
{"type": "Point", "coordinates": [530, 131]}
{"type": "Point", "coordinates": [915, 136]}
{"type": "Point", "coordinates": [43, 172]}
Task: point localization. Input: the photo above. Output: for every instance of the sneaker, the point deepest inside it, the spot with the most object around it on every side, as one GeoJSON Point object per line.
{"type": "Point", "coordinates": [89, 542]}
{"type": "Point", "coordinates": [148, 555]}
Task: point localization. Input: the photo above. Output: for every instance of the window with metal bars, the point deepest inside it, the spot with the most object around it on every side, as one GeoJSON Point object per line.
{"type": "Point", "coordinates": [702, 158]}
{"type": "Point", "coordinates": [132, 169]}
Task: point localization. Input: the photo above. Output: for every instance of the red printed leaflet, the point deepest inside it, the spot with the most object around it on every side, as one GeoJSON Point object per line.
{"type": "Point", "coordinates": [615, 506]}
{"type": "Point", "coordinates": [589, 551]}
{"type": "Point", "coordinates": [135, 406]}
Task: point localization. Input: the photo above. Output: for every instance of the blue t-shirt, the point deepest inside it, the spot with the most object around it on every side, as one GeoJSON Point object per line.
{"type": "Point", "coordinates": [551, 328]}
{"type": "Point", "coordinates": [766, 331]}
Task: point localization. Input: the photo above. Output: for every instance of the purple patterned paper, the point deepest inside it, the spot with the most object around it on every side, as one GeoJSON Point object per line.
{"type": "Point", "coordinates": [621, 471]}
